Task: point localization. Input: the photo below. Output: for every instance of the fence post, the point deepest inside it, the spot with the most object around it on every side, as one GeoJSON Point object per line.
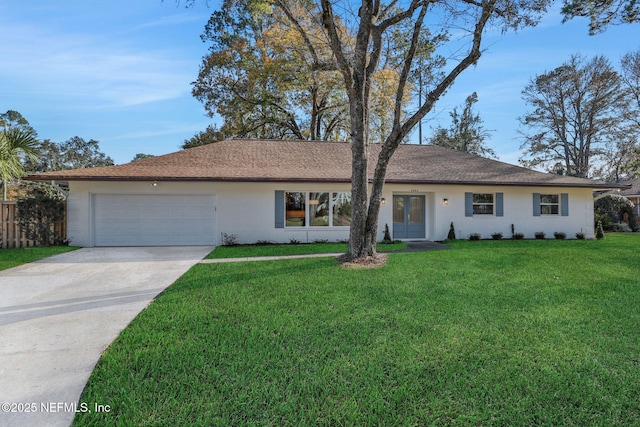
{"type": "Point", "coordinates": [3, 233]}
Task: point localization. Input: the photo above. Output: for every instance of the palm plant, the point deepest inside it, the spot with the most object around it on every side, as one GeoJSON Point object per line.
{"type": "Point", "coordinates": [15, 143]}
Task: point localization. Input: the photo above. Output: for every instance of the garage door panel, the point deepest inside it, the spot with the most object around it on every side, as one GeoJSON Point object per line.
{"type": "Point", "coordinates": [153, 220]}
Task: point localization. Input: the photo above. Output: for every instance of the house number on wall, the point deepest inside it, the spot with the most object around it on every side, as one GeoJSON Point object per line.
{"type": "Point", "coordinates": [414, 190]}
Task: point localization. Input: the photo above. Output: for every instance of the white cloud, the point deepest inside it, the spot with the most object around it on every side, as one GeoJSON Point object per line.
{"type": "Point", "coordinates": [168, 21]}
{"type": "Point", "coordinates": [91, 71]}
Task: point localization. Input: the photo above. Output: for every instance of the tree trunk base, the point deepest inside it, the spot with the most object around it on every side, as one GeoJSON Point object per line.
{"type": "Point", "coordinates": [374, 261]}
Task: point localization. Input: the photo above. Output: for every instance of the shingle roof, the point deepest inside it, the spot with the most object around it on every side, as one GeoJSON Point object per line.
{"type": "Point", "coordinates": [313, 161]}
{"type": "Point", "coordinates": [634, 190]}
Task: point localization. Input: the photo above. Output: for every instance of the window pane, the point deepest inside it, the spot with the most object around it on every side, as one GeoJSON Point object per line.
{"type": "Point", "coordinates": [483, 203]}
{"type": "Point", "coordinates": [398, 209]}
{"type": "Point", "coordinates": [295, 204]}
{"type": "Point", "coordinates": [483, 209]}
{"type": "Point", "coordinates": [341, 209]}
{"type": "Point", "coordinates": [318, 209]}
{"type": "Point", "coordinates": [416, 210]}
{"type": "Point", "coordinates": [483, 198]}
{"type": "Point", "coordinates": [549, 198]}
{"type": "Point", "coordinates": [549, 204]}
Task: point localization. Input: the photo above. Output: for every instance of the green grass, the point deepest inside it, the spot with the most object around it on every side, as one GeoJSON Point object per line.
{"type": "Point", "coordinates": [14, 257]}
{"type": "Point", "coordinates": [487, 333]}
{"type": "Point", "coordinates": [248, 251]}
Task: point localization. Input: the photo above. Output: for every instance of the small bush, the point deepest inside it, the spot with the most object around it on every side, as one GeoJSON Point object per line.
{"type": "Point", "coordinates": [229, 239]}
{"type": "Point", "coordinates": [580, 236]}
{"type": "Point", "coordinates": [474, 236]}
{"type": "Point", "coordinates": [539, 235]}
{"type": "Point", "coordinates": [387, 235]}
{"type": "Point", "coordinates": [293, 241]}
{"type": "Point", "coordinates": [452, 233]}
{"type": "Point", "coordinates": [518, 236]}
{"type": "Point", "coordinates": [599, 231]}
{"type": "Point", "coordinates": [264, 243]}
{"type": "Point", "coordinates": [496, 236]}
{"type": "Point", "coordinates": [620, 227]}
{"type": "Point", "coordinates": [560, 235]}
{"type": "Point", "coordinates": [321, 241]}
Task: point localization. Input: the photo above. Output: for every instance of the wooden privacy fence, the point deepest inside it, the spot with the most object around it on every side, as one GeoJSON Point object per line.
{"type": "Point", "coordinates": [10, 234]}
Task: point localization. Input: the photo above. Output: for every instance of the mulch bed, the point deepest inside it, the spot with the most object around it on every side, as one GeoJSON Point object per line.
{"type": "Point", "coordinates": [375, 261]}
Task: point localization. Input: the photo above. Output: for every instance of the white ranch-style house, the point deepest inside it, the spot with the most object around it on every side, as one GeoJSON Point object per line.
{"type": "Point", "coordinates": [278, 191]}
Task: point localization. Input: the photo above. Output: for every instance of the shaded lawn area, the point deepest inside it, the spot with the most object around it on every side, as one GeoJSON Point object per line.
{"type": "Point", "coordinates": [14, 257]}
{"type": "Point", "coordinates": [248, 251]}
{"type": "Point", "coordinates": [487, 333]}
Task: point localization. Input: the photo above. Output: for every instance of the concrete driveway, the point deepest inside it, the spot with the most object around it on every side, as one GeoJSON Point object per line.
{"type": "Point", "coordinates": [59, 314]}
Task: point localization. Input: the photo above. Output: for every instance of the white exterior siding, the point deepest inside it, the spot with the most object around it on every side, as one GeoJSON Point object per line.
{"type": "Point", "coordinates": [247, 210]}
{"type": "Point", "coordinates": [518, 210]}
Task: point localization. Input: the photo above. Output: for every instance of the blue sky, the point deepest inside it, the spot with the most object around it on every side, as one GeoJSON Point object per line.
{"type": "Point", "coordinates": [119, 71]}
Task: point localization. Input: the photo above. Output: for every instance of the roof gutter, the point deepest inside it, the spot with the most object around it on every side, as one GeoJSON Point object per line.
{"type": "Point", "coordinates": [592, 184]}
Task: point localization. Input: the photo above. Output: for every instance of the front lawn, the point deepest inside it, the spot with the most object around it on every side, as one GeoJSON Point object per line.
{"type": "Point", "coordinates": [487, 333]}
{"type": "Point", "coordinates": [14, 257]}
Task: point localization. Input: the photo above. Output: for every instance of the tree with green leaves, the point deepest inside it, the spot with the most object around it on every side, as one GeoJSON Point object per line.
{"type": "Point", "coordinates": [631, 77]}
{"type": "Point", "coordinates": [141, 156]}
{"type": "Point", "coordinates": [602, 13]}
{"type": "Point", "coordinates": [259, 77]}
{"type": "Point", "coordinates": [578, 112]}
{"type": "Point", "coordinates": [15, 145]}
{"type": "Point", "coordinates": [267, 77]}
{"type": "Point", "coordinates": [74, 153]}
{"type": "Point", "coordinates": [13, 119]}
{"type": "Point", "coordinates": [210, 135]}
{"type": "Point", "coordinates": [77, 153]}
{"type": "Point", "coordinates": [49, 158]}
{"type": "Point", "coordinates": [620, 159]}
{"type": "Point", "coordinates": [466, 132]}
{"type": "Point", "coordinates": [630, 74]}
{"type": "Point", "coordinates": [625, 161]}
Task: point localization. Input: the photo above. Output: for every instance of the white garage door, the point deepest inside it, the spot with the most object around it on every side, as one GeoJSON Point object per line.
{"type": "Point", "coordinates": [153, 220]}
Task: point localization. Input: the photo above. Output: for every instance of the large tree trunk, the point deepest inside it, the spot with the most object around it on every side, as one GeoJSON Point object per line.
{"type": "Point", "coordinates": [359, 244]}
{"type": "Point", "coordinates": [357, 75]}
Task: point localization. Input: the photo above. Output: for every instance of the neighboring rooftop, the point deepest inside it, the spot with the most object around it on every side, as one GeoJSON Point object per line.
{"type": "Point", "coordinates": [634, 190]}
{"type": "Point", "coordinates": [317, 161]}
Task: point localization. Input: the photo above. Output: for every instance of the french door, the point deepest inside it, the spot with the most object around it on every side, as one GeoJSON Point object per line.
{"type": "Point", "coordinates": [408, 217]}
